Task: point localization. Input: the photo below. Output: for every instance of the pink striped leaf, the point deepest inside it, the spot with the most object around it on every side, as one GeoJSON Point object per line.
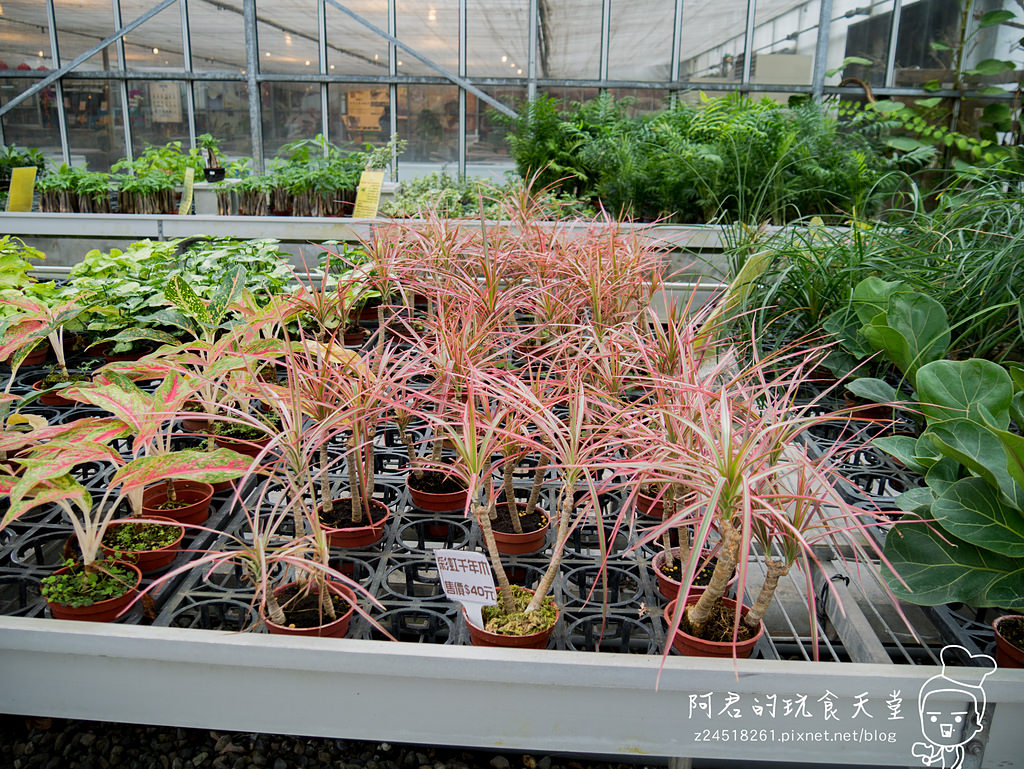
{"type": "Point", "coordinates": [63, 488]}
{"type": "Point", "coordinates": [89, 430]}
{"type": "Point", "coordinates": [192, 464]}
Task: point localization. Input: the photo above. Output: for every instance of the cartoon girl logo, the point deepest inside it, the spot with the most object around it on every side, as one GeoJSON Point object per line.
{"type": "Point", "coordinates": [952, 705]}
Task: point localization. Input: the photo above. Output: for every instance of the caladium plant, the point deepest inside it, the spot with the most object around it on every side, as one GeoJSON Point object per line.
{"type": "Point", "coordinates": [36, 321]}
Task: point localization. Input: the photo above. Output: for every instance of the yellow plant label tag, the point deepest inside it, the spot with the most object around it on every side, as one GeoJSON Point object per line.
{"type": "Point", "coordinates": [186, 194]}
{"type": "Point", "coordinates": [23, 183]}
{"type": "Point", "coordinates": [368, 195]}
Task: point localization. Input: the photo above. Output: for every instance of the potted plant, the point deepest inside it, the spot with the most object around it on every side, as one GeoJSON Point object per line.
{"type": "Point", "coordinates": [213, 171]}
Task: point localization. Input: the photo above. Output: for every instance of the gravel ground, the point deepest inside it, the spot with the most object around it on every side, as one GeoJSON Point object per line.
{"type": "Point", "coordinates": [65, 744]}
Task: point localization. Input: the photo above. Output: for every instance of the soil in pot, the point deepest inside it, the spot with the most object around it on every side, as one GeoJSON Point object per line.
{"type": "Point", "coordinates": [305, 616]}
{"type": "Point", "coordinates": [717, 638]}
{"type": "Point", "coordinates": [149, 546]}
{"type": "Point", "coordinates": [437, 492]}
{"type": "Point", "coordinates": [670, 577]}
{"type": "Point", "coordinates": [71, 594]}
{"type": "Point", "coordinates": [343, 532]}
{"type": "Point", "coordinates": [56, 378]}
{"type": "Point", "coordinates": [518, 629]}
{"type": "Point", "coordinates": [1009, 641]}
{"type": "Point", "coordinates": [534, 525]}
{"type": "Point", "coordinates": [191, 504]}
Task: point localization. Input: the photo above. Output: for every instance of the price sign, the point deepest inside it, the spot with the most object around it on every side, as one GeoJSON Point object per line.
{"type": "Point", "coordinates": [368, 194]}
{"type": "Point", "coordinates": [23, 181]}
{"type": "Point", "coordinates": [466, 577]}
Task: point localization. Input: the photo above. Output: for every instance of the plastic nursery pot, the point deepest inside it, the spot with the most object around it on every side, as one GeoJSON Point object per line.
{"type": "Point", "coordinates": [528, 541]}
{"type": "Point", "coordinates": [51, 399]}
{"type": "Point", "coordinates": [105, 351]}
{"type": "Point", "coordinates": [337, 628]}
{"type": "Point", "coordinates": [480, 637]}
{"type": "Point", "coordinates": [35, 358]}
{"type": "Point", "coordinates": [194, 495]}
{"type": "Point", "coordinates": [691, 646]}
{"type": "Point", "coordinates": [355, 338]}
{"type": "Point", "coordinates": [149, 560]}
{"type": "Point", "coordinates": [251, 448]}
{"type": "Point", "coordinates": [362, 535]}
{"type": "Point", "coordinates": [214, 174]}
{"type": "Point", "coordinates": [432, 502]}
{"type": "Point", "coordinates": [1008, 655]}
{"type": "Point", "coordinates": [649, 505]}
{"type": "Point", "coordinates": [669, 586]}
{"type": "Point", "coordinates": [101, 611]}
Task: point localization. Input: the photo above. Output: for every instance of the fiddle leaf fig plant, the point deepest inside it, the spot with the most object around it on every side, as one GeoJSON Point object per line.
{"type": "Point", "coordinates": [963, 537]}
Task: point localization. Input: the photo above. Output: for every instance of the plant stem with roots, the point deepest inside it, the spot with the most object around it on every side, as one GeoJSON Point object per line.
{"type": "Point", "coordinates": [565, 506]}
{"type": "Point", "coordinates": [668, 509]}
{"type": "Point", "coordinates": [504, 588]}
{"type": "Point", "coordinates": [510, 496]}
{"type": "Point", "coordinates": [700, 612]}
{"type": "Point", "coordinates": [538, 481]}
{"type": "Point", "coordinates": [274, 611]}
{"type": "Point", "coordinates": [172, 495]}
{"type": "Point", "coordinates": [327, 504]}
{"type": "Point", "coordinates": [326, 602]}
{"type": "Point", "coordinates": [776, 570]}
{"type": "Point", "coordinates": [410, 450]}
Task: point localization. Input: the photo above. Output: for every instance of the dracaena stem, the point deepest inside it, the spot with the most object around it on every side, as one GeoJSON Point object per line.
{"type": "Point", "coordinates": [504, 588]}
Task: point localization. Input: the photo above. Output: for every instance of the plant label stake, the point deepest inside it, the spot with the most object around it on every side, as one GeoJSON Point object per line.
{"type": "Point", "coordinates": [466, 577]}
{"type": "Point", "coordinates": [368, 194]}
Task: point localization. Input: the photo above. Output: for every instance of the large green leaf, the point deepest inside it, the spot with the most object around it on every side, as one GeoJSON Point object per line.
{"type": "Point", "coordinates": [943, 474]}
{"type": "Point", "coordinates": [993, 18]}
{"type": "Point", "coordinates": [1013, 445]}
{"type": "Point", "coordinates": [872, 389]}
{"type": "Point", "coordinates": [975, 512]}
{"type": "Point", "coordinates": [192, 464]}
{"type": "Point", "coordinates": [871, 297]}
{"type": "Point", "coordinates": [942, 569]}
{"type": "Point", "coordinates": [948, 389]}
{"type": "Point", "coordinates": [916, 500]}
{"type": "Point", "coordinates": [904, 449]}
{"type": "Point", "coordinates": [912, 332]}
{"type": "Point", "coordinates": [980, 450]}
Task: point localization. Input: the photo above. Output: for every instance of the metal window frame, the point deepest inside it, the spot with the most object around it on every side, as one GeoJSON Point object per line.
{"type": "Point", "coordinates": [254, 79]}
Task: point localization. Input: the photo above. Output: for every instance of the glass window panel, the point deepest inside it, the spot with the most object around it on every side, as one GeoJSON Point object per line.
{"type": "Point", "coordinates": [570, 40]}
{"type": "Point", "coordinates": [291, 111]}
{"type": "Point", "coordinates": [81, 27]}
{"type": "Point", "coordinates": [218, 37]}
{"type": "Point", "coordinates": [785, 34]}
{"type": "Point", "coordinates": [712, 44]}
{"type": "Point", "coordinates": [353, 49]}
{"type": "Point", "coordinates": [33, 123]}
{"type": "Point", "coordinates": [358, 115]}
{"type": "Point", "coordinates": [921, 24]}
{"type": "Point", "coordinates": [222, 110]}
{"type": "Point", "coordinates": [862, 31]}
{"type": "Point", "coordinates": [428, 118]}
{"type": "Point", "coordinates": [497, 38]}
{"type": "Point", "coordinates": [24, 40]}
{"type": "Point", "coordinates": [288, 35]}
{"type": "Point", "coordinates": [157, 111]}
{"type": "Point", "coordinates": [640, 39]}
{"type": "Point", "coordinates": [431, 28]}
{"type": "Point", "coordinates": [95, 122]}
{"type": "Point", "coordinates": [570, 96]}
{"type": "Point", "coordinates": [157, 43]}
{"type": "Point", "coordinates": [487, 150]}
{"type": "Point", "coordinates": [642, 101]}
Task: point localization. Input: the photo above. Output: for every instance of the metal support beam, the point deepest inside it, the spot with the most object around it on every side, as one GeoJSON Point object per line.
{"type": "Point", "coordinates": [748, 44]}
{"type": "Point", "coordinates": [62, 121]}
{"type": "Point", "coordinates": [252, 63]}
{"type": "Point", "coordinates": [186, 50]}
{"type": "Point", "coordinates": [122, 84]}
{"type": "Point", "coordinates": [606, 34]}
{"type": "Point", "coordinates": [393, 88]}
{"type": "Point", "coordinates": [821, 49]}
{"type": "Point", "coordinates": [463, 53]}
{"type": "Point", "coordinates": [321, 23]}
{"type": "Point", "coordinates": [459, 81]}
{"type": "Point", "coordinates": [894, 36]}
{"type": "Point", "coordinates": [63, 69]}
{"type": "Point", "coordinates": [531, 71]}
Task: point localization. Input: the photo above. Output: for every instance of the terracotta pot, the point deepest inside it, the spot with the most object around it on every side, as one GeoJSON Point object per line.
{"type": "Point", "coordinates": [251, 448]}
{"type": "Point", "coordinates": [35, 358]}
{"type": "Point", "coordinates": [527, 542]}
{"type": "Point", "coordinates": [104, 350]}
{"type": "Point", "coordinates": [195, 494]}
{"type": "Point", "coordinates": [669, 586]}
{"type": "Point", "coordinates": [355, 338]}
{"type": "Point", "coordinates": [437, 503]}
{"type": "Point", "coordinates": [684, 643]}
{"type": "Point", "coordinates": [1007, 655]}
{"type": "Point", "coordinates": [480, 637]}
{"type": "Point", "coordinates": [648, 506]}
{"type": "Point", "coordinates": [359, 536]}
{"type": "Point", "coordinates": [51, 399]}
{"type": "Point", "coordinates": [336, 629]}
{"type": "Point", "coordinates": [150, 560]}
{"type": "Point", "coordinates": [101, 611]}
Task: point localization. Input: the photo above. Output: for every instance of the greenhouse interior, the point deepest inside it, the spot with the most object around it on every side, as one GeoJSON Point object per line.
{"type": "Point", "coordinates": [573, 384]}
